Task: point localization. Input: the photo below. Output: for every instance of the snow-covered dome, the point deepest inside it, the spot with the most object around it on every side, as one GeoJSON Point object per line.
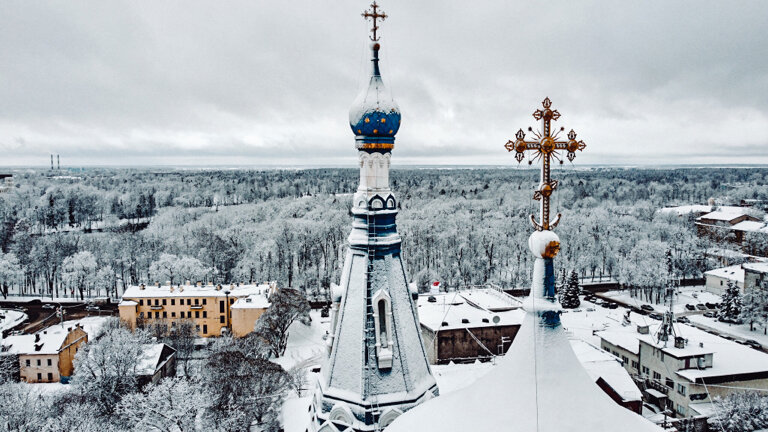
{"type": "Point", "coordinates": [544, 244]}
{"type": "Point", "coordinates": [374, 116]}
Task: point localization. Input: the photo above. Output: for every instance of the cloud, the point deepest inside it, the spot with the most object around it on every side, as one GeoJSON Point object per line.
{"type": "Point", "coordinates": [242, 82]}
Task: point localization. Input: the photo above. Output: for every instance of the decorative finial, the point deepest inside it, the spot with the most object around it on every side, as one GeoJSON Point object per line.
{"type": "Point", "coordinates": [375, 15]}
{"type": "Point", "coordinates": [545, 148]}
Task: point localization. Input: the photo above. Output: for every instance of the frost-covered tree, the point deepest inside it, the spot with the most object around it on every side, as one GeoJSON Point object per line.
{"type": "Point", "coordinates": [164, 269]}
{"type": "Point", "coordinates": [10, 272]}
{"type": "Point", "coordinates": [105, 369]}
{"type": "Point", "coordinates": [9, 368]}
{"type": "Point", "coordinates": [287, 305]}
{"type": "Point", "coordinates": [79, 271]}
{"type": "Point", "coordinates": [174, 404]}
{"type": "Point", "coordinates": [570, 296]}
{"type": "Point", "coordinates": [176, 269]}
{"type": "Point", "coordinates": [730, 308]}
{"type": "Point", "coordinates": [740, 412]}
{"type": "Point", "coordinates": [244, 390]}
{"type": "Point", "coordinates": [22, 408]}
{"type": "Point", "coordinates": [754, 307]}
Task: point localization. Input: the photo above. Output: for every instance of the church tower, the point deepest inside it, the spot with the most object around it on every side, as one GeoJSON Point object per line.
{"type": "Point", "coordinates": [377, 368]}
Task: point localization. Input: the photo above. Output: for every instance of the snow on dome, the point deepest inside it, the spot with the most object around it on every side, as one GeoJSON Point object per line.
{"type": "Point", "coordinates": [544, 244]}
{"type": "Point", "coordinates": [375, 113]}
{"type": "Point", "coordinates": [539, 385]}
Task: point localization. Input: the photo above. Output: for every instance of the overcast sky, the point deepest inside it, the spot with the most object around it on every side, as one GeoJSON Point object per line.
{"type": "Point", "coordinates": [270, 82]}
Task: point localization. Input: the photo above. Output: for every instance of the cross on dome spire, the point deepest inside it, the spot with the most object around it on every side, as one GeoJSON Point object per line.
{"type": "Point", "coordinates": [375, 15]}
{"type": "Point", "coordinates": [545, 147]}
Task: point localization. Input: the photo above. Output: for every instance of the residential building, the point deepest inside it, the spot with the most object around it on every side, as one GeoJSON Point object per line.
{"type": "Point", "coordinates": [686, 373]}
{"type": "Point", "coordinates": [6, 183]}
{"type": "Point", "coordinates": [156, 361]}
{"type": "Point", "coordinates": [727, 224]}
{"type": "Point", "coordinates": [213, 309]}
{"type": "Point", "coordinates": [754, 274]}
{"type": "Point", "coordinates": [717, 279]}
{"type": "Point", "coordinates": [48, 355]}
{"type": "Point", "coordinates": [456, 328]}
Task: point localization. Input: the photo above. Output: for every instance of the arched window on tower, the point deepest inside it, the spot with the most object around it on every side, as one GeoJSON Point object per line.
{"type": "Point", "coordinates": [382, 315]}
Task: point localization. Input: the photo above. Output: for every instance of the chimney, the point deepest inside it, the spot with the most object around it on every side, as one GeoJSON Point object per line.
{"type": "Point", "coordinates": [157, 284]}
{"type": "Point", "coordinates": [141, 287]}
{"type": "Point", "coordinates": [642, 329]}
{"type": "Point", "coordinates": [679, 342]}
{"type": "Point", "coordinates": [218, 287]}
{"type": "Point", "coordinates": [58, 162]}
{"type": "Point", "coordinates": [188, 283]}
{"type": "Point", "coordinates": [199, 284]}
{"type": "Point", "coordinates": [51, 161]}
{"type": "Point", "coordinates": [171, 289]}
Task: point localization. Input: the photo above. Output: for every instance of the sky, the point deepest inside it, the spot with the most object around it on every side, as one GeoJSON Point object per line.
{"type": "Point", "coordinates": [255, 83]}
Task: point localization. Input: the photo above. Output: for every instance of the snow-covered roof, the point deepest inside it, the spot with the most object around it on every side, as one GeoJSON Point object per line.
{"type": "Point", "coordinates": [749, 225]}
{"type": "Point", "coordinates": [600, 364]}
{"type": "Point", "coordinates": [729, 358]}
{"type": "Point", "coordinates": [192, 290]}
{"type": "Point", "coordinates": [451, 308]}
{"type": "Point", "coordinates": [721, 215]}
{"type": "Point", "coordinates": [253, 301]}
{"type": "Point", "coordinates": [127, 303]}
{"type": "Point", "coordinates": [490, 299]}
{"type": "Point", "coordinates": [150, 358]}
{"type": "Point", "coordinates": [625, 338]}
{"type": "Point", "coordinates": [734, 273]}
{"type": "Point", "coordinates": [50, 341]}
{"type": "Point", "coordinates": [761, 267]}
{"type": "Point", "coordinates": [690, 349]}
{"type": "Point", "coordinates": [538, 386]}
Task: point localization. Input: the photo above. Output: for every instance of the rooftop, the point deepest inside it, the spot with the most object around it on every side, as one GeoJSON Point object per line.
{"type": "Point", "coordinates": [734, 273]}
{"type": "Point", "coordinates": [193, 290]}
{"type": "Point", "coordinates": [761, 267]}
{"type": "Point", "coordinates": [450, 309]}
{"type": "Point", "coordinates": [749, 225]}
{"type": "Point", "coordinates": [50, 341]}
{"type": "Point", "coordinates": [723, 215]}
{"type": "Point", "coordinates": [600, 364]}
{"type": "Point", "coordinates": [150, 358]}
{"type": "Point", "coordinates": [253, 301]}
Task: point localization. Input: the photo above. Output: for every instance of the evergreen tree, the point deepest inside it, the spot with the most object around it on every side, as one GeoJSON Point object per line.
{"type": "Point", "coordinates": [755, 307]}
{"type": "Point", "coordinates": [731, 304]}
{"type": "Point", "coordinates": [570, 297]}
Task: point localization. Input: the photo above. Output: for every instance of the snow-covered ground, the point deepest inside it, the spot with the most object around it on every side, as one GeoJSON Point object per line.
{"type": "Point", "coordinates": [736, 330]}
{"type": "Point", "coordinates": [11, 318]}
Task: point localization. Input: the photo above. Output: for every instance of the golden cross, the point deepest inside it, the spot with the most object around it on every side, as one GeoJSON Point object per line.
{"type": "Point", "coordinates": [545, 148]}
{"type": "Point", "coordinates": [374, 16]}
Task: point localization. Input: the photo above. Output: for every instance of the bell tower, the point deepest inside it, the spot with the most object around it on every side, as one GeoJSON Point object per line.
{"type": "Point", "coordinates": [377, 367]}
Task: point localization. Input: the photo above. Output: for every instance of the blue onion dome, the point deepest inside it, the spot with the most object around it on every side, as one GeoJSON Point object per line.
{"type": "Point", "coordinates": [375, 116]}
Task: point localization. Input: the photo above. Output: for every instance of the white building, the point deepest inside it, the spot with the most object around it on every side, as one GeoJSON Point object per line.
{"type": "Point", "coordinates": [717, 279]}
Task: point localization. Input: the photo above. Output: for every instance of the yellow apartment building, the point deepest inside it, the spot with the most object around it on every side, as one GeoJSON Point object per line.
{"type": "Point", "coordinates": [214, 309]}
{"type": "Point", "coordinates": [48, 355]}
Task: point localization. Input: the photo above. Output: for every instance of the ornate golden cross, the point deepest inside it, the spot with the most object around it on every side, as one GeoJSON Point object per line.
{"type": "Point", "coordinates": [374, 16]}
{"type": "Point", "coordinates": [545, 148]}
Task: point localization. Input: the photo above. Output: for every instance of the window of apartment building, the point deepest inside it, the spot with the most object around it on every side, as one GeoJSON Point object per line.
{"type": "Point", "coordinates": [157, 315]}
{"type": "Point", "coordinates": [173, 314]}
{"type": "Point", "coordinates": [39, 363]}
{"type": "Point", "coordinates": [646, 370]}
{"type": "Point", "coordinates": [624, 360]}
{"type": "Point", "coordinates": [681, 389]}
{"type": "Point", "coordinates": [164, 302]}
{"type": "Point", "coordinates": [221, 319]}
{"type": "Point", "coordinates": [197, 328]}
{"type": "Point", "coordinates": [681, 410]}
{"type": "Point", "coordinates": [28, 363]}
{"type": "Point", "coordinates": [205, 314]}
{"type": "Point", "coordinates": [50, 362]}
{"type": "Point", "coordinates": [173, 302]}
{"type": "Point", "coordinates": [50, 376]}
{"type": "Point", "coordinates": [141, 302]}
{"type": "Point", "coordinates": [205, 329]}
{"type": "Point", "coordinates": [141, 314]}
{"type": "Point", "coordinates": [634, 364]}
{"type": "Point", "coordinates": [165, 314]}
{"type": "Point", "coordinates": [189, 302]}
{"type": "Point", "coordinates": [656, 376]}
{"type": "Point", "coordinates": [205, 301]}
{"type": "Point", "coordinates": [157, 302]}
{"type": "Point", "coordinates": [197, 314]}
{"type": "Point", "coordinates": [221, 306]}
{"type": "Point", "coordinates": [670, 383]}
{"type": "Point", "coordinates": [39, 377]}
{"type": "Point", "coordinates": [197, 301]}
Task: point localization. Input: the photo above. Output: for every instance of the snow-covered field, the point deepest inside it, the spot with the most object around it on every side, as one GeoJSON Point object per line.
{"type": "Point", "coordinates": [737, 330]}
{"type": "Point", "coordinates": [11, 318]}
{"type": "Point", "coordinates": [687, 295]}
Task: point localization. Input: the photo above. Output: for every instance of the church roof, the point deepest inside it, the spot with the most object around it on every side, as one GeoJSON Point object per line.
{"type": "Point", "coordinates": [538, 386]}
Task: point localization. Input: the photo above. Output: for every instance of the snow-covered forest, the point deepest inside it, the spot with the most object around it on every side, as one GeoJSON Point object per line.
{"type": "Point", "coordinates": [95, 231]}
